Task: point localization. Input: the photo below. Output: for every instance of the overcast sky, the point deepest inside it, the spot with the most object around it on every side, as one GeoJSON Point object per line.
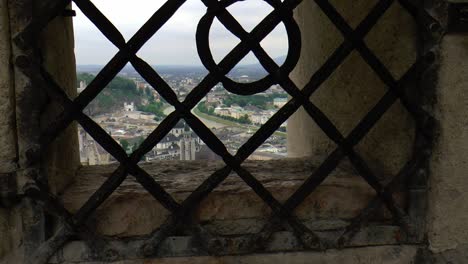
{"type": "Point", "coordinates": [175, 43]}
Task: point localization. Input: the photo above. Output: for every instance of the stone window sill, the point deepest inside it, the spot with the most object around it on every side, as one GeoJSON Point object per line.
{"type": "Point", "coordinates": [232, 211]}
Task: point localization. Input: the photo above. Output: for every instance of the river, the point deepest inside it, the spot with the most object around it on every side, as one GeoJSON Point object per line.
{"type": "Point", "coordinates": [208, 123]}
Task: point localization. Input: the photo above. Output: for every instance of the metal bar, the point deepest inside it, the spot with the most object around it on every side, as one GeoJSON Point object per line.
{"type": "Point", "coordinates": [187, 206]}
{"type": "Point", "coordinates": [364, 216]}
{"type": "Point", "coordinates": [102, 23]}
{"type": "Point", "coordinates": [282, 13]}
{"type": "Point", "coordinates": [216, 145]}
{"type": "Point", "coordinates": [115, 65]}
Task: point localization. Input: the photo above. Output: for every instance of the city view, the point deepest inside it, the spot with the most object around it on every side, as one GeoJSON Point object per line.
{"type": "Point", "coordinates": [129, 109]}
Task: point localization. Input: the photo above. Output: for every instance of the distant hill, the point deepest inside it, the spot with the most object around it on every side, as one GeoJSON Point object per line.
{"type": "Point", "coordinates": [253, 70]}
{"type": "Point", "coordinates": [111, 99]}
{"type": "Point", "coordinates": [257, 66]}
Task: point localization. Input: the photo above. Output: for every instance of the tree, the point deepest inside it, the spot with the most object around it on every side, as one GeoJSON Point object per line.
{"type": "Point", "coordinates": [155, 108]}
{"type": "Point", "coordinates": [260, 101]}
{"type": "Point", "coordinates": [111, 99]}
{"type": "Point", "coordinates": [125, 85]}
{"type": "Point", "coordinates": [244, 119]}
{"type": "Point", "coordinates": [124, 143]}
{"type": "Point", "coordinates": [137, 144]}
{"type": "Point", "coordinates": [84, 76]}
{"type": "Point", "coordinates": [148, 92]}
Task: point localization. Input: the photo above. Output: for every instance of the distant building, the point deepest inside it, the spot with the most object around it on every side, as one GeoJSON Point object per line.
{"type": "Point", "coordinates": [188, 148]}
{"type": "Point", "coordinates": [178, 129]}
{"type": "Point", "coordinates": [181, 143]}
{"type": "Point", "coordinates": [83, 86]}
{"type": "Point", "coordinates": [222, 111]}
{"type": "Point", "coordinates": [275, 89]}
{"type": "Point", "coordinates": [236, 111]}
{"type": "Point", "coordinates": [141, 85]}
{"type": "Point", "coordinates": [129, 107]}
{"type": "Point", "coordinates": [91, 153]}
{"type": "Point", "coordinates": [280, 102]}
{"type": "Point", "coordinates": [259, 118]}
{"type": "Point", "coordinates": [213, 98]}
{"type": "Point", "coordinates": [244, 79]}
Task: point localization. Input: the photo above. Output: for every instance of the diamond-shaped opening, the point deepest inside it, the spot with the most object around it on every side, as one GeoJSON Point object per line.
{"type": "Point", "coordinates": [221, 41]}
{"type": "Point", "coordinates": [172, 51]}
{"type": "Point", "coordinates": [91, 152]}
{"type": "Point", "coordinates": [181, 79]}
{"type": "Point", "coordinates": [233, 208]}
{"type": "Point", "coordinates": [128, 109]}
{"type": "Point", "coordinates": [276, 44]}
{"type": "Point", "coordinates": [92, 49]}
{"type": "Point", "coordinates": [235, 118]}
{"type": "Point", "coordinates": [127, 17]}
{"type": "Point", "coordinates": [393, 40]}
{"type": "Point", "coordinates": [174, 44]}
{"type": "Point", "coordinates": [181, 143]}
{"type": "Point", "coordinates": [248, 70]}
{"type": "Point", "coordinates": [250, 13]}
{"type": "Point", "coordinates": [389, 144]}
{"type": "Point", "coordinates": [355, 88]}
{"type": "Point", "coordinates": [353, 11]}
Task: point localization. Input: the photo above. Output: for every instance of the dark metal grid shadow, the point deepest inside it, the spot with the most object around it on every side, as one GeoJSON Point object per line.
{"type": "Point", "coordinates": [73, 224]}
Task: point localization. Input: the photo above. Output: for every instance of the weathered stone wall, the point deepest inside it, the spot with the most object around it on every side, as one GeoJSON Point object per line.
{"type": "Point", "coordinates": [233, 208]}
{"type": "Point", "coordinates": [7, 124]}
{"type": "Point", "coordinates": [5, 246]}
{"type": "Point", "coordinates": [16, 135]}
{"type": "Point", "coordinates": [233, 203]}
{"type": "Point", "coordinates": [448, 214]}
{"type": "Point", "coordinates": [364, 255]}
{"type": "Point", "coordinates": [353, 89]}
{"type": "Point", "coordinates": [63, 157]}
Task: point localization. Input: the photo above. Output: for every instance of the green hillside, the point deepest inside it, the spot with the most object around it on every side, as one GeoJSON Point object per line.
{"type": "Point", "coordinates": [112, 98]}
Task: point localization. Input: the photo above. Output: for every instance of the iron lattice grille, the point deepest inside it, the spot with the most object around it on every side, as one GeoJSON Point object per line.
{"type": "Point", "coordinates": [73, 224]}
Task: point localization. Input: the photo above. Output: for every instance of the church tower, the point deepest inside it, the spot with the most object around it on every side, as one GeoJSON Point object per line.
{"type": "Point", "coordinates": [187, 144]}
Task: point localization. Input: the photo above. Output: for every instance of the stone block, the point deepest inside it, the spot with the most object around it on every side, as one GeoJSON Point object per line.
{"type": "Point", "coordinates": [447, 218]}
{"type": "Point", "coordinates": [232, 208]}
{"type": "Point", "coordinates": [364, 255]}
{"type": "Point", "coordinates": [5, 242]}
{"type": "Point", "coordinates": [7, 105]}
{"type": "Point", "coordinates": [354, 88]}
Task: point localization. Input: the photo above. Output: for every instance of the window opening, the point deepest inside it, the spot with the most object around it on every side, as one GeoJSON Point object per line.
{"type": "Point", "coordinates": [282, 212]}
{"type": "Point", "coordinates": [129, 108]}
